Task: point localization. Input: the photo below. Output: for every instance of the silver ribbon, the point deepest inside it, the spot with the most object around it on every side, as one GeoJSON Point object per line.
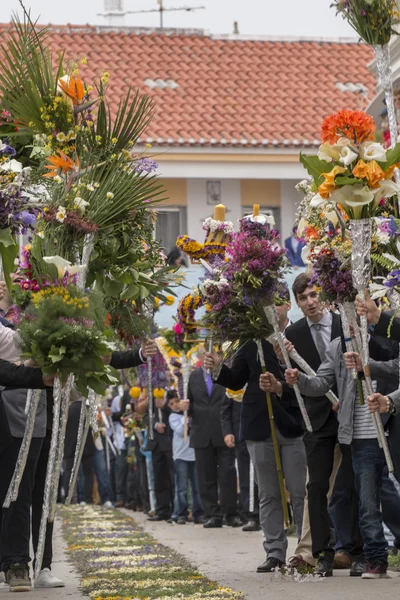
{"type": "Point", "coordinates": [66, 395]}
{"type": "Point", "coordinates": [13, 488]}
{"type": "Point", "coordinates": [50, 473]}
{"type": "Point", "coordinates": [79, 440]}
{"type": "Point", "coordinates": [210, 349]}
{"type": "Point", "coordinates": [272, 317]}
{"type": "Point", "coordinates": [361, 271]}
{"type": "Point", "coordinates": [185, 379]}
{"type": "Point", "coordinates": [150, 396]}
{"type": "Point", "coordinates": [304, 366]}
{"type": "Point", "coordinates": [383, 65]}
{"type": "Point", "coordinates": [92, 402]}
{"type": "Point", "coordinates": [88, 245]}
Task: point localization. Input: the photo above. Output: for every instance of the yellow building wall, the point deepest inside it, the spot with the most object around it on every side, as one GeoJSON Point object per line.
{"type": "Point", "coordinates": [265, 192]}
{"type": "Point", "coordinates": [175, 190]}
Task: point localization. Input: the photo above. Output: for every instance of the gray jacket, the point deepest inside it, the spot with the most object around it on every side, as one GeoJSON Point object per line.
{"type": "Point", "coordinates": [333, 371]}
{"type": "Point", "coordinates": [14, 403]}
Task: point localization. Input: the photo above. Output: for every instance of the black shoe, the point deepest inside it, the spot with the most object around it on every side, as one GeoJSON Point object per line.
{"type": "Point", "coordinates": [157, 518]}
{"type": "Point", "coordinates": [213, 522]}
{"type": "Point", "coordinates": [181, 521]}
{"type": "Point", "coordinates": [358, 567]}
{"type": "Point", "coordinates": [270, 565]}
{"type": "Point", "coordinates": [18, 578]}
{"type": "Point", "coordinates": [234, 522]}
{"type": "Point", "coordinates": [251, 526]}
{"type": "Point", "coordinates": [324, 567]}
{"type": "Point", "coordinates": [199, 521]}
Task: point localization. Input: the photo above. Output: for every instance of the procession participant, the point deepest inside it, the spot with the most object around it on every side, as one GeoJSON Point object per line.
{"type": "Point", "coordinates": [185, 464]}
{"type": "Point", "coordinates": [311, 336]}
{"type": "Point", "coordinates": [215, 462]}
{"type": "Point", "coordinates": [255, 430]}
{"type": "Point", "coordinates": [356, 429]}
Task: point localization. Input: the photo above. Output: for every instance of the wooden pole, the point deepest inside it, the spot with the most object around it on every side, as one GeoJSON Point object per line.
{"type": "Point", "coordinates": [274, 439]}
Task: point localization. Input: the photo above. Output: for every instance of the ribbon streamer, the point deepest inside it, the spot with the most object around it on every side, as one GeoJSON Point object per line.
{"type": "Point", "coordinates": [361, 270]}
{"type": "Point", "coordinates": [13, 488]}
{"type": "Point", "coordinates": [185, 378]}
{"type": "Point", "coordinates": [272, 317]}
{"type": "Point", "coordinates": [80, 442]}
{"type": "Point", "coordinates": [150, 396]}
{"type": "Point", "coordinates": [50, 472]}
{"type": "Point", "coordinates": [251, 476]}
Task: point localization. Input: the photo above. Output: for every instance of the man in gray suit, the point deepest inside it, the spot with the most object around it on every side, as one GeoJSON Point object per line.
{"type": "Point", "coordinates": [215, 462]}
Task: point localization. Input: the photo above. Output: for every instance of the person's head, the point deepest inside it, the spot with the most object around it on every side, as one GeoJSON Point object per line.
{"type": "Point", "coordinates": [294, 231]}
{"type": "Point", "coordinates": [307, 297]}
{"type": "Point", "coordinates": [283, 305]}
{"type": "Point", "coordinates": [201, 352]}
{"type": "Point", "coordinates": [173, 400]}
{"type": "Point", "coordinates": [174, 257]}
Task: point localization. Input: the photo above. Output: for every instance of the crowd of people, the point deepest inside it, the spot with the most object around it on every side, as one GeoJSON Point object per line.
{"type": "Point", "coordinates": [199, 469]}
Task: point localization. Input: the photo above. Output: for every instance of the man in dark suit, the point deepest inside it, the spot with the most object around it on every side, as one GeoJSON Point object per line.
{"type": "Point", "coordinates": [255, 429]}
{"type": "Point", "coordinates": [230, 423]}
{"type": "Point", "coordinates": [311, 337]}
{"type": "Point", "coordinates": [215, 462]}
{"type": "Point", "coordinates": [163, 463]}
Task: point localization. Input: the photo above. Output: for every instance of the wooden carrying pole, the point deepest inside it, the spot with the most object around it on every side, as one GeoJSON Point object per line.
{"type": "Point", "coordinates": [274, 439]}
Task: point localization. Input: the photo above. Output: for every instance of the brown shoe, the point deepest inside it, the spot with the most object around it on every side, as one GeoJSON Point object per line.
{"type": "Point", "coordinates": [119, 504]}
{"type": "Point", "coordinates": [298, 563]}
{"type": "Point", "coordinates": [342, 560]}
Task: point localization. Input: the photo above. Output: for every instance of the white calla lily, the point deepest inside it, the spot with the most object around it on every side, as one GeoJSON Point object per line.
{"type": "Point", "coordinates": [305, 254]}
{"type": "Point", "coordinates": [332, 217]}
{"type": "Point", "coordinates": [387, 188]}
{"type": "Point", "coordinates": [328, 152]}
{"type": "Point", "coordinates": [353, 195]}
{"type": "Point", "coordinates": [63, 266]}
{"type": "Point", "coordinates": [11, 165]}
{"type": "Point", "coordinates": [347, 155]}
{"type": "Point", "coordinates": [316, 201]}
{"type": "Point", "coordinates": [372, 151]}
{"type": "Point", "coordinates": [303, 223]}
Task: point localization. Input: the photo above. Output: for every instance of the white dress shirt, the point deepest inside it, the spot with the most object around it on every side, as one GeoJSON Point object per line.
{"type": "Point", "coordinates": [325, 328]}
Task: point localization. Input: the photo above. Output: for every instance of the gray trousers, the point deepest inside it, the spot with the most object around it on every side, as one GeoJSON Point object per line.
{"type": "Point", "coordinates": [293, 458]}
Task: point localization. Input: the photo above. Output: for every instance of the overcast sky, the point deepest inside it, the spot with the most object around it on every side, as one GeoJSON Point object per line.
{"type": "Point", "coordinates": [310, 18]}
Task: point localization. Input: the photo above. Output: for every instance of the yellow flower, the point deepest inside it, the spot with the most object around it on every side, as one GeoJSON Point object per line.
{"type": "Point", "coordinates": [329, 183]}
{"type": "Point", "coordinates": [110, 195]}
{"type": "Point", "coordinates": [114, 140]}
{"type": "Point", "coordinates": [158, 393]}
{"type": "Point", "coordinates": [169, 300]}
{"type": "Point", "coordinates": [84, 61]}
{"type": "Point", "coordinates": [148, 145]}
{"type": "Point", "coordinates": [360, 170]}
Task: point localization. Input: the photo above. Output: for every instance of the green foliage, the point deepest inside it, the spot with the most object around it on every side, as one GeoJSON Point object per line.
{"type": "Point", "coordinates": [8, 252]}
{"type": "Point", "coordinates": [175, 342]}
{"type": "Point", "coordinates": [315, 167]}
{"type": "Point", "coordinates": [63, 332]}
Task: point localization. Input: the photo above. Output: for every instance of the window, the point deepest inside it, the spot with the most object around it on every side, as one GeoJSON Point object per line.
{"type": "Point", "coordinates": [171, 222]}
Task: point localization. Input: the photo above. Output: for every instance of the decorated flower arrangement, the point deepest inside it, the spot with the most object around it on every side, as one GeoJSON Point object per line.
{"type": "Point", "coordinates": [187, 312]}
{"type": "Point", "coordinates": [175, 339]}
{"type": "Point", "coordinates": [63, 332]}
{"type": "Point", "coordinates": [351, 170]}
{"type": "Point", "coordinates": [333, 277]}
{"type": "Point", "coordinates": [373, 20]}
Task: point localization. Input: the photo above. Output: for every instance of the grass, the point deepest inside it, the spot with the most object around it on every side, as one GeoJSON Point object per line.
{"type": "Point", "coordinates": [117, 560]}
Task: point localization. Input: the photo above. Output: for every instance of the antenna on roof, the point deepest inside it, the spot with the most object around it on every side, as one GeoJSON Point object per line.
{"type": "Point", "coordinates": [113, 8]}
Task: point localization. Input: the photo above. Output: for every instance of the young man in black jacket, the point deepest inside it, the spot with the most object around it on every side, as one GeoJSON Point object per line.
{"type": "Point", "coordinates": [255, 430]}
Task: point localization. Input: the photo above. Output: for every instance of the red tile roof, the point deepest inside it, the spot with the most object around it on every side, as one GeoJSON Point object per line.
{"type": "Point", "coordinates": [213, 91]}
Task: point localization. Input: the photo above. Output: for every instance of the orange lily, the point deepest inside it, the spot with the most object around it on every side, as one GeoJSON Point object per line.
{"type": "Point", "coordinates": [60, 161]}
{"type": "Point", "coordinates": [73, 87]}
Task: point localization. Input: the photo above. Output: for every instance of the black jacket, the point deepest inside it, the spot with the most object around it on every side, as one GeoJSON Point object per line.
{"type": "Point", "coordinates": [126, 360]}
{"type": "Point", "coordinates": [254, 422]}
{"type": "Point", "coordinates": [230, 417]}
{"type": "Point", "coordinates": [205, 411]}
{"type": "Point", "coordinates": [71, 434]}
{"type": "Point", "coordinates": [382, 327]}
{"type": "Point", "coordinates": [323, 419]}
{"type": "Point", "coordinates": [161, 440]}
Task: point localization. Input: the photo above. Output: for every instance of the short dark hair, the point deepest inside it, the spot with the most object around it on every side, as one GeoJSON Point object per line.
{"type": "Point", "coordinates": [171, 395]}
{"type": "Point", "coordinates": [301, 283]}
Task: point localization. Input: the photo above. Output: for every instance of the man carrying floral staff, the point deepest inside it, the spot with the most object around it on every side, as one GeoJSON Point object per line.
{"type": "Point", "coordinates": [255, 430]}
{"type": "Point", "coordinates": [311, 337]}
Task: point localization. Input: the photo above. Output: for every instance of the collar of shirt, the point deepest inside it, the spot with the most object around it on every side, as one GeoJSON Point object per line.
{"type": "Point", "coordinates": [326, 320]}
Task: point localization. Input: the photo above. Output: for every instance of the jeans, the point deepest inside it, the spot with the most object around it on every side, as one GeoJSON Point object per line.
{"type": "Point", "coordinates": [102, 476]}
{"type": "Point", "coordinates": [186, 471]}
{"type": "Point", "coordinates": [369, 465]}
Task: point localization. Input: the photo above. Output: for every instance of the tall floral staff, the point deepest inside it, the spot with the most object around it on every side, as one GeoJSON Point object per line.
{"type": "Point", "coordinates": [356, 173]}
{"type": "Point", "coordinates": [375, 22]}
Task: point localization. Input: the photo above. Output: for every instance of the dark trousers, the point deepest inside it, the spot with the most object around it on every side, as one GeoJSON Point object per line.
{"type": "Point", "coordinates": [243, 461]}
{"type": "Point", "coordinates": [320, 454]}
{"type": "Point", "coordinates": [87, 469]}
{"type": "Point", "coordinates": [37, 505]}
{"type": "Point", "coordinates": [102, 475]}
{"type": "Point", "coordinates": [343, 508]}
{"type": "Point", "coordinates": [121, 474]}
{"type": "Point", "coordinates": [164, 479]}
{"type": "Point", "coordinates": [16, 520]}
{"type": "Point", "coordinates": [216, 468]}
{"type": "Point", "coordinates": [186, 471]}
{"type": "Point", "coordinates": [143, 481]}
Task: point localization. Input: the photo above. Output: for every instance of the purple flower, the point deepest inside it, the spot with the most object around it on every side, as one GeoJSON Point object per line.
{"type": "Point", "coordinates": [145, 165]}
